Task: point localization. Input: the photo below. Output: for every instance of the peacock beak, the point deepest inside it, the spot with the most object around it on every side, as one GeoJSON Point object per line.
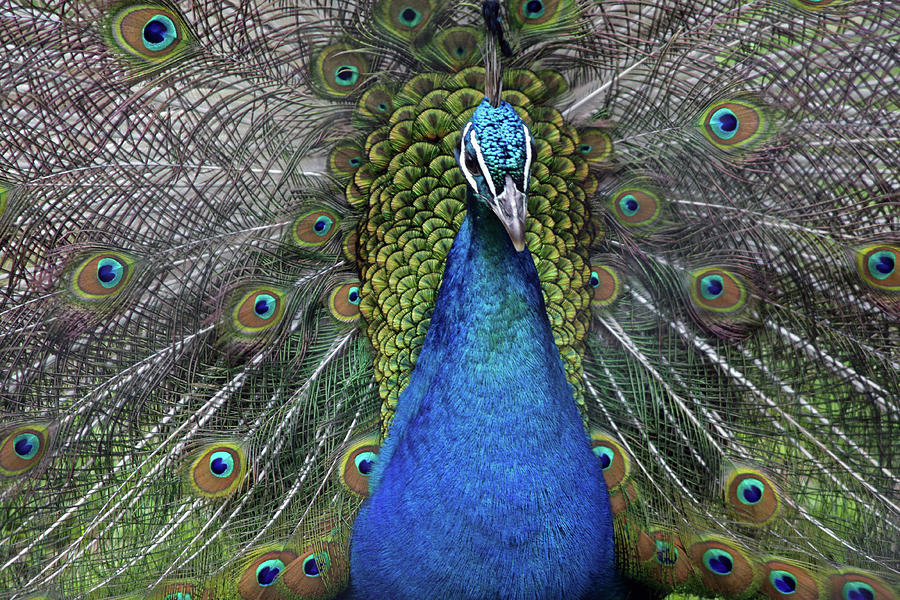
{"type": "Point", "coordinates": [510, 206]}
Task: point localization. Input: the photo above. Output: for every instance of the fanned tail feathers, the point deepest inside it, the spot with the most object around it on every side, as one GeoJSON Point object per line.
{"type": "Point", "coordinates": [223, 227]}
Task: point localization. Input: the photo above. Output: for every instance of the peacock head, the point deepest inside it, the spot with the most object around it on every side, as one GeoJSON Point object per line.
{"type": "Point", "coordinates": [495, 154]}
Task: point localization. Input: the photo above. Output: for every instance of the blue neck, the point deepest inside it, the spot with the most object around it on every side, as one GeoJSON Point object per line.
{"type": "Point", "coordinates": [486, 481]}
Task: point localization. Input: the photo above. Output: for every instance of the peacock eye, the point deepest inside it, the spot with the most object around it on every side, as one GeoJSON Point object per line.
{"type": "Point", "coordinates": [472, 162]}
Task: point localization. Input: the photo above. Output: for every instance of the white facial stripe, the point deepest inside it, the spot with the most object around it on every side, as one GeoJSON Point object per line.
{"type": "Point", "coordinates": [527, 157]}
{"type": "Point", "coordinates": [484, 169]}
{"type": "Point", "coordinates": [462, 153]}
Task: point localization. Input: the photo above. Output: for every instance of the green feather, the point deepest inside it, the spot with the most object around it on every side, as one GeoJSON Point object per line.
{"type": "Point", "coordinates": [223, 229]}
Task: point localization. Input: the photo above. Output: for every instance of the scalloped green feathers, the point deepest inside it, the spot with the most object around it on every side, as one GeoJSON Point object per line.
{"type": "Point", "coordinates": [408, 179]}
{"type": "Point", "coordinates": [149, 35]}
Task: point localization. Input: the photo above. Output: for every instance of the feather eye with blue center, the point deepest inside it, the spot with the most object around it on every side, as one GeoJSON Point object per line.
{"type": "Point", "coordinates": [495, 156]}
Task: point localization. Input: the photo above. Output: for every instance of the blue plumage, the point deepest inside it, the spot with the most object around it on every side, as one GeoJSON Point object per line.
{"type": "Point", "coordinates": [486, 485]}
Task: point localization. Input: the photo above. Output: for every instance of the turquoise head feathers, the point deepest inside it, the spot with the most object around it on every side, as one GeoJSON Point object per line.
{"type": "Point", "coordinates": [496, 152]}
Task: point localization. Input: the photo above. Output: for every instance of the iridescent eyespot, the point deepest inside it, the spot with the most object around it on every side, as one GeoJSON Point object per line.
{"type": "Point", "coordinates": [614, 461]}
{"type": "Point", "coordinates": [265, 571]}
{"type": "Point", "coordinates": [102, 276]}
{"type": "Point", "coordinates": [636, 207]}
{"type": "Point", "coordinates": [606, 456]}
{"type": "Point", "coordinates": [357, 464]}
{"type": "Point", "coordinates": [718, 561]}
{"type": "Point", "coordinates": [315, 228]}
{"type": "Point", "coordinates": [258, 310]}
{"type": "Point", "coordinates": [218, 470]}
{"type": "Point", "coordinates": [853, 585]}
{"type": "Point", "coordinates": [751, 495]}
{"type": "Point", "coordinates": [345, 159]}
{"type": "Point", "coordinates": [664, 557]}
{"type": "Point", "coordinates": [339, 70]}
{"type": "Point", "coordinates": [320, 570]}
{"type": "Point", "coordinates": [724, 568]}
{"type": "Point", "coordinates": [718, 290]}
{"type": "Point", "coordinates": [595, 145]}
{"type": "Point", "coordinates": [344, 302]}
{"type": "Point", "coordinates": [403, 18]}
{"type": "Point", "coordinates": [452, 48]}
{"type": "Point", "coordinates": [22, 449]}
{"type": "Point", "coordinates": [790, 581]}
{"type": "Point", "coordinates": [151, 35]}
{"type": "Point", "coordinates": [605, 284]}
{"type": "Point", "coordinates": [536, 12]}
{"type": "Point", "coordinates": [376, 103]}
{"type": "Point", "coordinates": [666, 553]}
{"type": "Point", "coordinates": [750, 491]}
{"type": "Point", "coordinates": [724, 123]}
{"type": "Point", "coordinates": [734, 124]}
{"type": "Point", "coordinates": [533, 9]}
{"type": "Point", "coordinates": [311, 564]}
{"type": "Point", "coordinates": [346, 75]}
{"type": "Point", "coordinates": [877, 266]}
{"type": "Point", "coordinates": [783, 582]}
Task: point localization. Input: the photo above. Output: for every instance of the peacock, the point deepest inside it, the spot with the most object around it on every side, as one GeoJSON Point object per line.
{"type": "Point", "coordinates": [421, 299]}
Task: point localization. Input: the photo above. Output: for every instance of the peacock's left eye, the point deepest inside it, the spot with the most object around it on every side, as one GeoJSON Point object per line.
{"type": "Point", "coordinates": [472, 162]}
